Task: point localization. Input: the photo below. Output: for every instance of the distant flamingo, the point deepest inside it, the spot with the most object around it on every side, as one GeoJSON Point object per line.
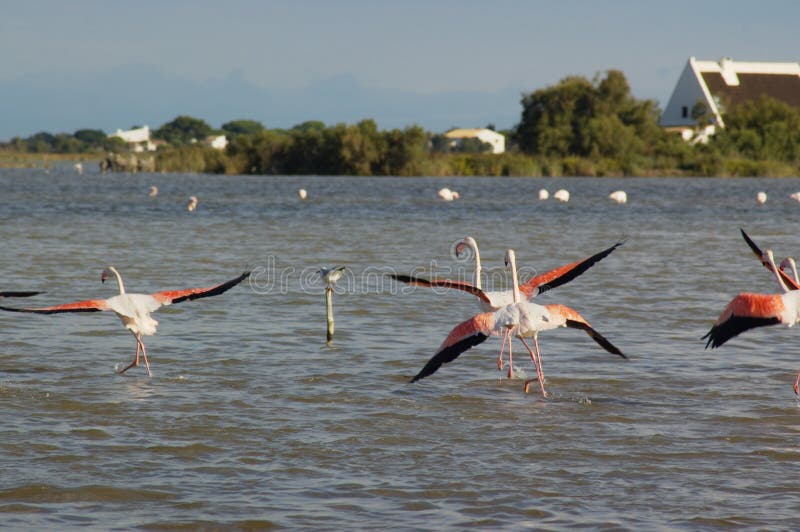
{"type": "Point", "coordinates": [562, 195]}
{"type": "Point", "coordinates": [302, 193]}
{"type": "Point", "coordinates": [134, 309]}
{"type": "Point", "coordinates": [153, 191]}
{"type": "Point", "coordinates": [543, 194]}
{"type": "Point", "coordinates": [747, 311]}
{"type": "Point", "coordinates": [446, 194]}
{"type": "Point", "coordinates": [619, 196]}
{"type": "Point", "coordinates": [192, 203]}
{"type": "Point", "coordinates": [761, 198]}
{"type": "Point", "coordinates": [494, 300]}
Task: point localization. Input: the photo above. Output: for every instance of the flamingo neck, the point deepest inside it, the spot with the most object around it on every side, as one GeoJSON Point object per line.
{"type": "Point", "coordinates": [776, 271]}
{"type": "Point", "coordinates": [477, 275]}
{"type": "Point", "coordinates": [119, 279]}
{"type": "Point", "coordinates": [512, 263]}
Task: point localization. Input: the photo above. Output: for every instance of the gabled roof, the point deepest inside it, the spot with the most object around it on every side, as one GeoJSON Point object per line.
{"type": "Point", "coordinates": [783, 87]}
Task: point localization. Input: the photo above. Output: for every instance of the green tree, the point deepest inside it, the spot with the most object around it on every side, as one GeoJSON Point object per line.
{"type": "Point", "coordinates": [763, 129]}
{"type": "Point", "coordinates": [183, 130]}
{"type": "Point", "coordinates": [91, 137]}
{"type": "Point", "coordinates": [242, 127]}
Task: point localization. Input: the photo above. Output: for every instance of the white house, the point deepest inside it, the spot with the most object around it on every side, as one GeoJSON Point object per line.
{"type": "Point", "coordinates": [138, 139]}
{"type": "Point", "coordinates": [219, 142]}
{"type": "Point", "coordinates": [496, 140]}
{"type": "Point", "coordinates": [718, 84]}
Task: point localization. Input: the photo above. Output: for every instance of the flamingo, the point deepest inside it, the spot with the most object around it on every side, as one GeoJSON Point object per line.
{"type": "Point", "coordinates": [562, 195]}
{"type": "Point", "coordinates": [494, 300]}
{"type": "Point", "coordinates": [302, 193]}
{"type": "Point", "coordinates": [134, 309]}
{"type": "Point", "coordinates": [506, 321]}
{"type": "Point", "coordinates": [783, 278]}
{"type": "Point", "coordinates": [761, 198]}
{"type": "Point", "coordinates": [446, 194]}
{"type": "Point", "coordinates": [543, 194]}
{"type": "Point", "coordinates": [795, 196]}
{"type": "Point", "coordinates": [747, 311]}
{"type": "Point", "coordinates": [153, 191]}
{"type": "Point", "coordinates": [192, 203]}
{"type": "Point", "coordinates": [619, 196]}
{"type": "Point", "coordinates": [522, 319]}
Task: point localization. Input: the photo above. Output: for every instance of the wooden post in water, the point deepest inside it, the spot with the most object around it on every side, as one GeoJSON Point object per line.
{"type": "Point", "coordinates": [330, 276]}
{"type": "Point", "coordinates": [329, 312]}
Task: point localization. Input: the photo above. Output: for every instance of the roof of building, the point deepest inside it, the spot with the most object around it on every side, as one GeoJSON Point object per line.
{"type": "Point", "coordinates": [466, 133]}
{"type": "Point", "coordinates": [783, 87]}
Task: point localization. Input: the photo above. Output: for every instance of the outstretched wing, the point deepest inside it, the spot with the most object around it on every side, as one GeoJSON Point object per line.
{"type": "Point", "coordinates": [745, 312]}
{"type": "Point", "coordinates": [441, 283]}
{"type": "Point", "coordinates": [465, 336]}
{"type": "Point", "coordinates": [791, 283]}
{"type": "Point", "coordinates": [18, 294]}
{"type": "Point", "coordinates": [563, 274]}
{"type": "Point", "coordinates": [90, 305]}
{"type": "Point", "coordinates": [169, 297]}
{"type": "Point", "coordinates": [596, 336]}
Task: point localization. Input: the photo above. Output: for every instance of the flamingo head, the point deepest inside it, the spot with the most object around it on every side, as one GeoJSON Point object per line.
{"type": "Point", "coordinates": [510, 258]}
{"type": "Point", "coordinates": [466, 242]}
{"type": "Point", "coordinates": [108, 272]}
{"type": "Point", "coordinates": [331, 275]}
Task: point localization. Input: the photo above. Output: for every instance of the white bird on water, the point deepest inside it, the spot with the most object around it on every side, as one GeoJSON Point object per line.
{"type": "Point", "coordinates": [79, 168]}
{"type": "Point", "coordinates": [543, 194]}
{"type": "Point", "coordinates": [302, 193]}
{"type": "Point", "coordinates": [562, 195]}
{"type": "Point", "coordinates": [620, 196]}
{"type": "Point", "coordinates": [761, 197]}
{"type": "Point", "coordinates": [446, 194]}
{"type": "Point", "coordinates": [153, 191]}
{"type": "Point", "coordinates": [795, 196]}
{"type": "Point", "coordinates": [134, 309]}
{"type": "Point", "coordinates": [192, 206]}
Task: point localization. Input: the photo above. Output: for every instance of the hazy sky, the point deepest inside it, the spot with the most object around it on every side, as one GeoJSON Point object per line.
{"type": "Point", "coordinates": [415, 46]}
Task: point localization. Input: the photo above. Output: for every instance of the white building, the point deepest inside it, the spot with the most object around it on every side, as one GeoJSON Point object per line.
{"type": "Point", "coordinates": [725, 83]}
{"type": "Point", "coordinates": [138, 139]}
{"type": "Point", "coordinates": [219, 142]}
{"type": "Point", "coordinates": [496, 140]}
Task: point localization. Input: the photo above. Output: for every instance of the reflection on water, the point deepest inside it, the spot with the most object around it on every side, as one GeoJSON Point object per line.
{"type": "Point", "coordinates": [249, 422]}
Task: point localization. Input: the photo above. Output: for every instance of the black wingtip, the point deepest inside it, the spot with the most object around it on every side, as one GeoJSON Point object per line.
{"type": "Point", "coordinates": [18, 293]}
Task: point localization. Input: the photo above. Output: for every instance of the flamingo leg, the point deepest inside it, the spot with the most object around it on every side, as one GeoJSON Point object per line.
{"type": "Point", "coordinates": [510, 358]}
{"type": "Point", "coordinates": [144, 354]}
{"type": "Point", "coordinates": [797, 384]}
{"type": "Point", "coordinates": [135, 360]}
{"type": "Point", "coordinates": [502, 348]}
{"type": "Point", "coordinates": [537, 362]}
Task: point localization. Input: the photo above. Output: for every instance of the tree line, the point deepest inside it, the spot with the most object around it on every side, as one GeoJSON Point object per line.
{"type": "Point", "coordinates": [575, 127]}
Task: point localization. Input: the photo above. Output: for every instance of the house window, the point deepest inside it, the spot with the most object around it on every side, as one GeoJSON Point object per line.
{"type": "Point", "coordinates": [684, 112]}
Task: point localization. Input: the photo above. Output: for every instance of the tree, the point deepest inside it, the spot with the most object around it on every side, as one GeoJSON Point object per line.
{"type": "Point", "coordinates": [762, 129]}
{"type": "Point", "coordinates": [242, 127]}
{"type": "Point", "coordinates": [92, 137]}
{"type": "Point", "coordinates": [183, 130]}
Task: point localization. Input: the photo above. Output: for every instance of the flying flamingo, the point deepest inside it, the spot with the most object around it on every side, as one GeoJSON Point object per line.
{"type": "Point", "coordinates": [494, 300]}
{"type": "Point", "coordinates": [134, 309]}
{"type": "Point", "coordinates": [747, 311]}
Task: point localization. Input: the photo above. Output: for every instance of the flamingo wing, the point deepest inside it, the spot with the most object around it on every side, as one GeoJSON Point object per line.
{"type": "Point", "coordinates": [463, 337]}
{"type": "Point", "coordinates": [744, 312]}
{"type": "Point", "coordinates": [596, 336]}
{"type": "Point", "coordinates": [563, 274]}
{"type": "Point", "coordinates": [90, 305]}
{"type": "Point", "coordinates": [791, 283]}
{"type": "Point", "coordinates": [18, 294]}
{"type": "Point", "coordinates": [169, 297]}
{"type": "Point", "coordinates": [441, 283]}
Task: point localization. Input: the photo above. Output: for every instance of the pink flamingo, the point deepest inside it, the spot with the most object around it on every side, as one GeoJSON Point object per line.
{"type": "Point", "coordinates": [134, 309]}
{"type": "Point", "coordinates": [494, 300]}
{"type": "Point", "coordinates": [748, 310]}
{"type": "Point", "coordinates": [522, 319]}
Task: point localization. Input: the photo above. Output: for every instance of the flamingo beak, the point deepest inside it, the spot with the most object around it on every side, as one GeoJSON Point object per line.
{"type": "Point", "coordinates": [103, 276]}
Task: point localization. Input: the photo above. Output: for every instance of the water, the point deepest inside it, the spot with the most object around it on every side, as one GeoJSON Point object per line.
{"type": "Point", "coordinates": [250, 422]}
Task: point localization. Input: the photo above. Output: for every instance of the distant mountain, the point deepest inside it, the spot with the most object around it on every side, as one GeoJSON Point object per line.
{"type": "Point", "coordinates": [141, 94]}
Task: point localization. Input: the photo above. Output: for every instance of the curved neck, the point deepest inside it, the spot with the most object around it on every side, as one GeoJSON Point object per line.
{"type": "Point", "coordinates": [119, 279]}
{"type": "Point", "coordinates": [512, 263]}
{"type": "Point", "coordinates": [776, 270]}
{"type": "Point", "coordinates": [476, 276]}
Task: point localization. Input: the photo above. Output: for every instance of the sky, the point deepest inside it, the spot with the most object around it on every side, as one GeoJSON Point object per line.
{"type": "Point", "coordinates": [434, 63]}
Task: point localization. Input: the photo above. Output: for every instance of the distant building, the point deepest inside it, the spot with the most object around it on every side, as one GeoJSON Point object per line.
{"type": "Point", "coordinates": [496, 140]}
{"type": "Point", "coordinates": [219, 142]}
{"type": "Point", "coordinates": [138, 139]}
{"type": "Point", "coordinates": [718, 85]}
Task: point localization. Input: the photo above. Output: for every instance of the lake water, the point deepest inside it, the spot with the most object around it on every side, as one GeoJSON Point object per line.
{"type": "Point", "coordinates": [250, 422]}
